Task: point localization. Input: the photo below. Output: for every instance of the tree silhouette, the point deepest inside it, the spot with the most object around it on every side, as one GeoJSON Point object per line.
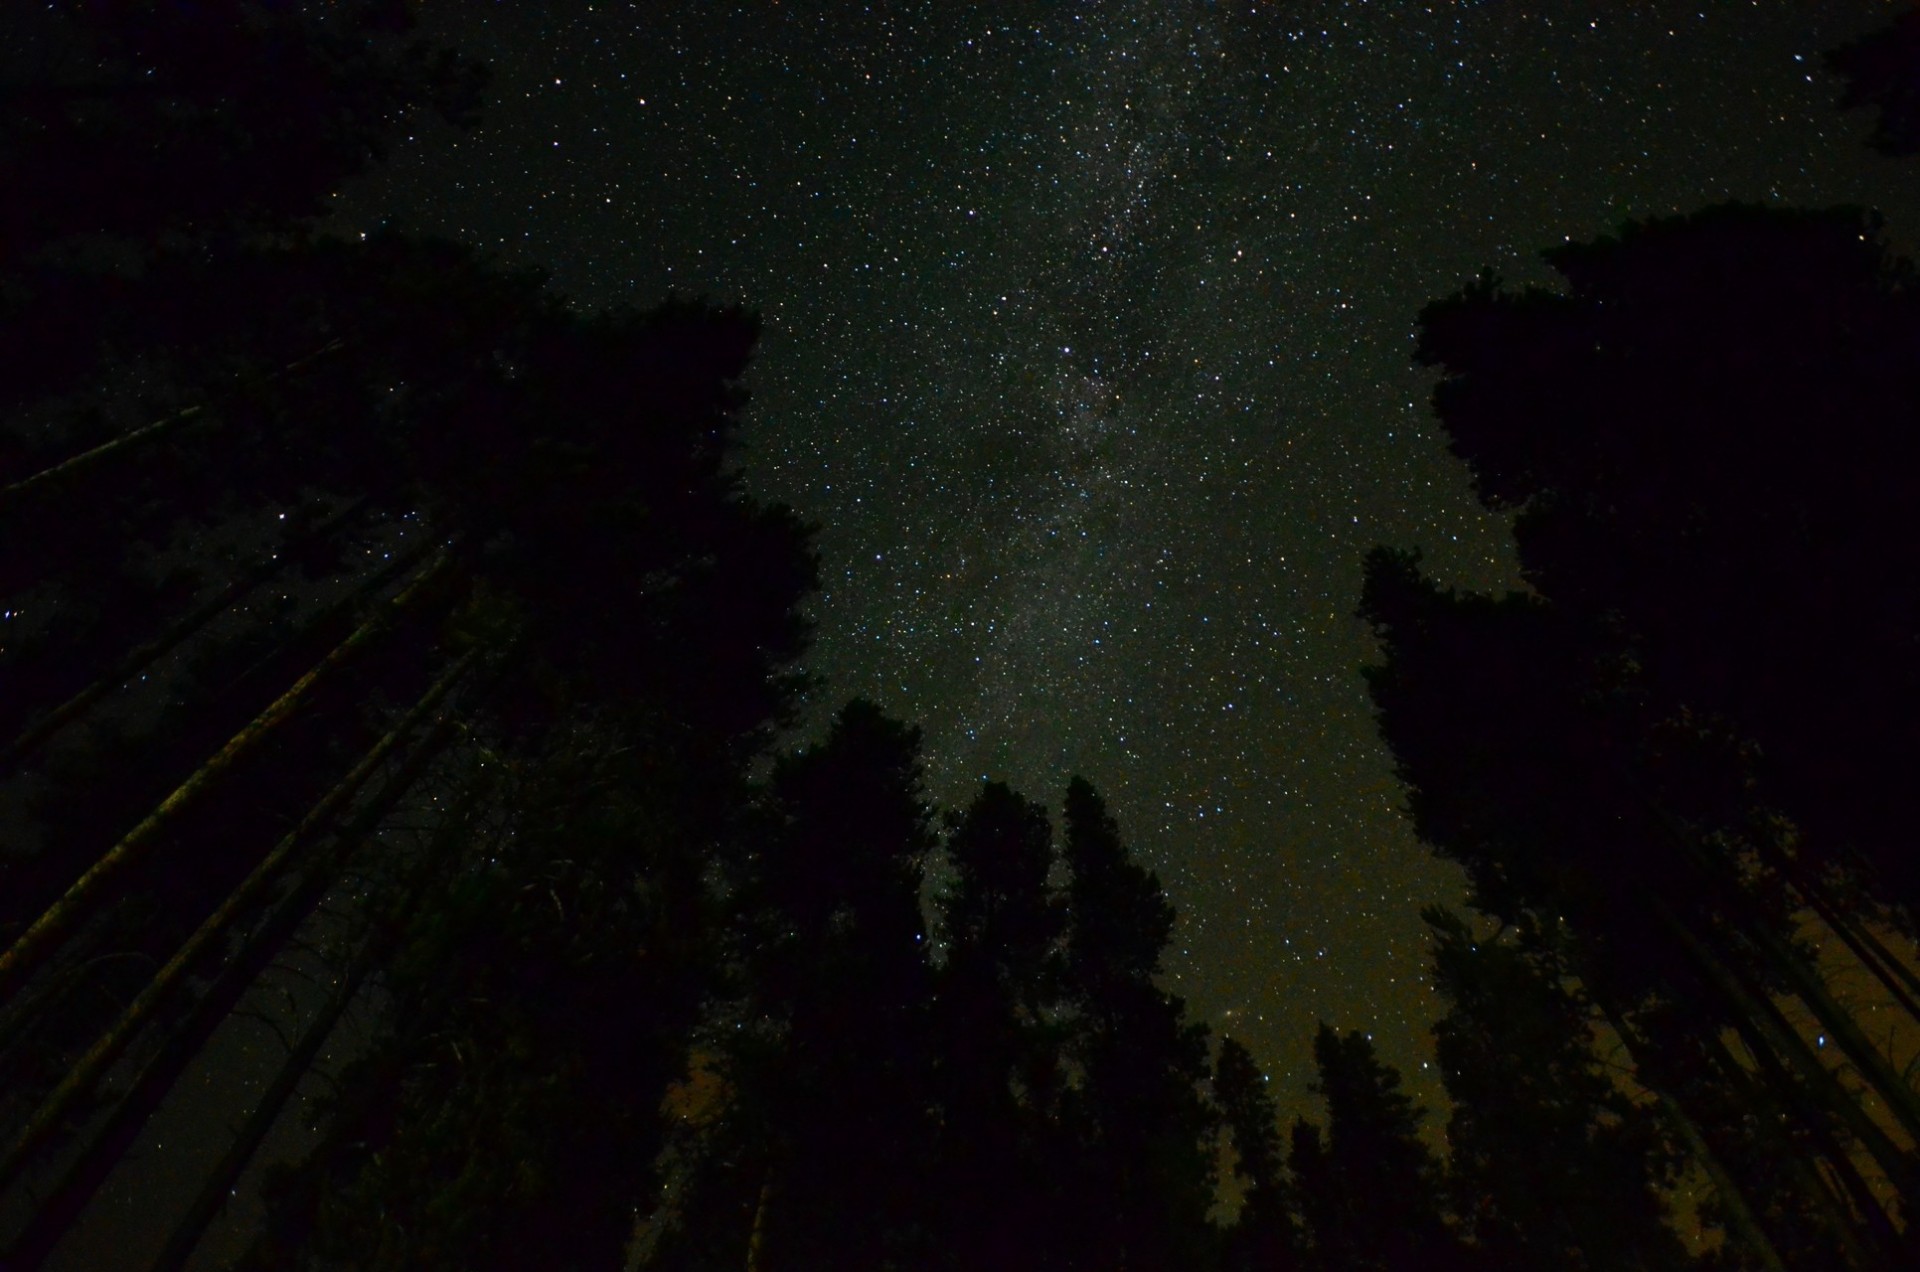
{"type": "Point", "coordinates": [1369, 1189]}
{"type": "Point", "coordinates": [1882, 71]}
{"type": "Point", "coordinates": [1266, 1234]}
{"type": "Point", "coordinates": [1706, 436]}
{"type": "Point", "coordinates": [999, 1075]}
{"type": "Point", "coordinates": [320, 525]}
{"type": "Point", "coordinates": [1550, 1163]}
{"type": "Point", "coordinates": [1678, 743]}
{"type": "Point", "coordinates": [1141, 1182]}
{"type": "Point", "coordinates": [1524, 765]}
{"type": "Point", "coordinates": [828, 1109]}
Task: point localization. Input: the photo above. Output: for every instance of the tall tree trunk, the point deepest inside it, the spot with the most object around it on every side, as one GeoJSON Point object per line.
{"type": "Point", "coordinates": [1746, 1226]}
{"type": "Point", "coordinates": [34, 942]}
{"type": "Point", "coordinates": [1898, 1096]}
{"type": "Point", "coordinates": [342, 611]}
{"type": "Point", "coordinates": [44, 480]}
{"type": "Point", "coordinates": [1894, 975]}
{"type": "Point", "coordinates": [1855, 937]}
{"type": "Point", "coordinates": [62, 1204]}
{"type": "Point", "coordinates": [1753, 1005]}
{"type": "Point", "coordinates": [1775, 1098]}
{"type": "Point", "coordinates": [219, 1184]}
{"type": "Point", "coordinates": [105, 1050]}
{"type": "Point", "coordinates": [1901, 969]}
{"type": "Point", "coordinates": [1900, 1099]}
{"type": "Point", "coordinates": [138, 659]}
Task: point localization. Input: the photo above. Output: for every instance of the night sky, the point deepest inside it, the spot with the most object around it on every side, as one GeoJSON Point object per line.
{"type": "Point", "coordinates": [1087, 344]}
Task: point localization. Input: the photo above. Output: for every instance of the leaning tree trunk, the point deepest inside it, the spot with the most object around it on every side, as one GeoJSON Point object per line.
{"type": "Point", "coordinates": [81, 1077]}
{"type": "Point", "coordinates": [1894, 1090]}
{"type": "Point", "coordinates": [139, 659]}
{"type": "Point", "coordinates": [218, 1186]}
{"type": "Point", "coordinates": [62, 1205]}
{"type": "Point", "coordinates": [33, 944]}
{"type": "Point", "coordinates": [1733, 1199]}
{"type": "Point", "coordinates": [47, 478]}
{"type": "Point", "coordinates": [1893, 973]}
{"type": "Point", "coordinates": [1773, 1095]}
{"type": "Point", "coordinates": [1754, 1006]}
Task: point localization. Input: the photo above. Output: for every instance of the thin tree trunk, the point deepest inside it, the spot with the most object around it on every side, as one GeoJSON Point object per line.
{"type": "Point", "coordinates": [1733, 1199]}
{"type": "Point", "coordinates": [107, 1048]}
{"type": "Point", "coordinates": [343, 608]}
{"type": "Point", "coordinates": [219, 1184]}
{"type": "Point", "coordinates": [1874, 1067]}
{"type": "Point", "coordinates": [78, 1183]}
{"type": "Point", "coordinates": [48, 477]}
{"type": "Point", "coordinates": [1858, 1191]}
{"type": "Point", "coordinates": [137, 660]}
{"type": "Point", "coordinates": [756, 1239]}
{"type": "Point", "coordinates": [1754, 1006]}
{"type": "Point", "coordinates": [1894, 976]}
{"type": "Point", "coordinates": [1773, 1095]}
{"type": "Point", "coordinates": [33, 943]}
{"type": "Point", "coordinates": [1901, 967]}
{"type": "Point", "coordinates": [1856, 940]}
{"type": "Point", "coordinates": [185, 1235]}
{"type": "Point", "coordinates": [1899, 1097]}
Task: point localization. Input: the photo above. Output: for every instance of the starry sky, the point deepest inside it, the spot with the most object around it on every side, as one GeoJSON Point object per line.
{"type": "Point", "coordinates": [1088, 334]}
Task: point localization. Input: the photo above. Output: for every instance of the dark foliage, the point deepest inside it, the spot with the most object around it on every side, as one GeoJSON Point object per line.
{"type": "Point", "coordinates": [1655, 426]}
{"type": "Point", "coordinates": [1882, 71]}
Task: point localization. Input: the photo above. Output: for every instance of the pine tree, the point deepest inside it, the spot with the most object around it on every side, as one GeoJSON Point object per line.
{"type": "Point", "coordinates": [1551, 1163]}
{"type": "Point", "coordinates": [1142, 1183]}
{"type": "Point", "coordinates": [1265, 1237]}
{"type": "Point", "coordinates": [1528, 763]}
{"type": "Point", "coordinates": [999, 1076]}
{"type": "Point", "coordinates": [831, 1095]}
{"type": "Point", "coordinates": [1370, 1190]}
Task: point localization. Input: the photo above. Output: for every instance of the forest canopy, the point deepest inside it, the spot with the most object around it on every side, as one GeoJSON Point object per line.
{"type": "Point", "coordinates": [393, 656]}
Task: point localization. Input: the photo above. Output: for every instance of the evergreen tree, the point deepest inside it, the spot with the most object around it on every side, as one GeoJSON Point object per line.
{"type": "Point", "coordinates": [1527, 763]}
{"type": "Point", "coordinates": [829, 1107]}
{"type": "Point", "coordinates": [999, 1076]}
{"type": "Point", "coordinates": [1551, 1164]}
{"type": "Point", "coordinates": [1265, 1237]}
{"type": "Point", "coordinates": [1705, 436]}
{"type": "Point", "coordinates": [573, 957]}
{"type": "Point", "coordinates": [1370, 1190]}
{"type": "Point", "coordinates": [1142, 1183]}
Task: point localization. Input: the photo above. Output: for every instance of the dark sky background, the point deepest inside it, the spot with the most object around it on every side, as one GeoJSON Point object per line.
{"type": "Point", "coordinates": [1087, 343]}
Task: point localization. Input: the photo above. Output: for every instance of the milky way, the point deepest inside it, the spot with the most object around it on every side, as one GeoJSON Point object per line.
{"type": "Point", "coordinates": [1087, 343]}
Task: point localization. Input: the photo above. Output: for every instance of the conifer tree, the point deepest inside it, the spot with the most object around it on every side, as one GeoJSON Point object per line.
{"type": "Point", "coordinates": [1370, 1190]}
{"type": "Point", "coordinates": [831, 1098]}
{"type": "Point", "coordinates": [1550, 1163]}
{"type": "Point", "coordinates": [1142, 1181]}
{"type": "Point", "coordinates": [1265, 1236]}
{"type": "Point", "coordinates": [999, 1076]}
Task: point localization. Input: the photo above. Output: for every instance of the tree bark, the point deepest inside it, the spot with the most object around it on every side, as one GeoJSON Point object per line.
{"type": "Point", "coordinates": [144, 656]}
{"type": "Point", "coordinates": [64, 1203]}
{"type": "Point", "coordinates": [46, 478]}
{"type": "Point", "coordinates": [34, 942]}
{"type": "Point", "coordinates": [107, 1048]}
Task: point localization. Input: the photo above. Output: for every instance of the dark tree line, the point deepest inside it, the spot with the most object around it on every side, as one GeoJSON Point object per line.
{"type": "Point", "coordinates": [1674, 768]}
{"type": "Point", "coordinates": [370, 617]}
